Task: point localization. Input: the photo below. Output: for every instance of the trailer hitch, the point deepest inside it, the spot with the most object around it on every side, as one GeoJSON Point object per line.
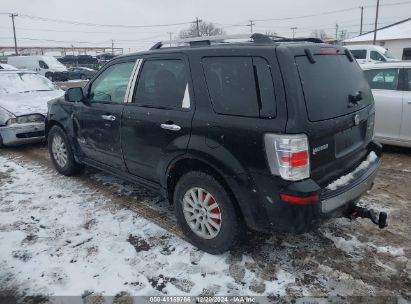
{"type": "Point", "coordinates": [355, 211]}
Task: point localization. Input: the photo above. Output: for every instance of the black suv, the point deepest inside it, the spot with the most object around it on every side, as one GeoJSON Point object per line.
{"type": "Point", "coordinates": [269, 134]}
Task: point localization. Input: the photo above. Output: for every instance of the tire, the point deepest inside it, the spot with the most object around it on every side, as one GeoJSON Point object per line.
{"type": "Point", "coordinates": [61, 153]}
{"type": "Point", "coordinates": [225, 215]}
{"type": "Point", "coordinates": [1, 142]}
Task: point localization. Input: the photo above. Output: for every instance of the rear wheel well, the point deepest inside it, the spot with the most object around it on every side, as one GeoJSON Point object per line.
{"type": "Point", "coordinates": [183, 166]}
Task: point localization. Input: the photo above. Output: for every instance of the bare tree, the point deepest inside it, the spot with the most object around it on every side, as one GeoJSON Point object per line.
{"type": "Point", "coordinates": [319, 34]}
{"type": "Point", "coordinates": [271, 33]}
{"type": "Point", "coordinates": [204, 28]}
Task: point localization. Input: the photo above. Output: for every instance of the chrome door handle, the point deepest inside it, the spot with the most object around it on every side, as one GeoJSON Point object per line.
{"type": "Point", "coordinates": [170, 127]}
{"type": "Point", "coordinates": [409, 101]}
{"type": "Point", "coordinates": [108, 117]}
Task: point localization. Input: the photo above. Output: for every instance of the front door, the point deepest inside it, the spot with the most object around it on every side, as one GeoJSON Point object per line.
{"type": "Point", "coordinates": [157, 121]}
{"type": "Point", "coordinates": [388, 102]}
{"type": "Point", "coordinates": [97, 120]}
{"type": "Point", "coordinates": [406, 109]}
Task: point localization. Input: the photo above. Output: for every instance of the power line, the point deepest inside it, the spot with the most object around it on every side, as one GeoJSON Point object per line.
{"type": "Point", "coordinates": [97, 24]}
{"type": "Point", "coordinates": [330, 12]}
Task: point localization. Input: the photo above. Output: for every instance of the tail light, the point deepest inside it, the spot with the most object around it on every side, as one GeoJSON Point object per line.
{"type": "Point", "coordinates": [370, 128]}
{"type": "Point", "coordinates": [288, 156]}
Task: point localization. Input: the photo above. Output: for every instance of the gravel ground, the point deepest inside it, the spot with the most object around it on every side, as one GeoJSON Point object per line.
{"type": "Point", "coordinates": [95, 234]}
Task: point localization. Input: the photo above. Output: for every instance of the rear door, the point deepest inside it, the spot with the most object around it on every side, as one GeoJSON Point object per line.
{"type": "Point", "coordinates": [388, 101]}
{"type": "Point", "coordinates": [97, 120]}
{"type": "Point", "coordinates": [156, 122]}
{"type": "Point", "coordinates": [405, 133]}
{"type": "Point", "coordinates": [339, 106]}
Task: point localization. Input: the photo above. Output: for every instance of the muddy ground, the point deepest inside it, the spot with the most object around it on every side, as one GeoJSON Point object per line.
{"type": "Point", "coordinates": [343, 258]}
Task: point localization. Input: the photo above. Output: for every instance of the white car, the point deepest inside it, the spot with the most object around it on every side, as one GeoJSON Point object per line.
{"type": "Point", "coordinates": [370, 53]}
{"type": "Point", "coordinates": [5, 66]}
{"type": "Point", "coordinates": [23, 106]}
{"type": "Point", "coordinates": [391, 86]}
{"type": "Point", "coordinates": [47, 66]}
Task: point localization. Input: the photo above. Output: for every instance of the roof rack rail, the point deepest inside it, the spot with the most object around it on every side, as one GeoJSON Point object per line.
{"type": "Point", "coordinates": [256, 38]}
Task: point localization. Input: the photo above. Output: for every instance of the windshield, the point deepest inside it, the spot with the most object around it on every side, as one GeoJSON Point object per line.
{"type": "Point", "coordinates": [388, 54]}
{"type": "Point", "coordinates": [24, 82]}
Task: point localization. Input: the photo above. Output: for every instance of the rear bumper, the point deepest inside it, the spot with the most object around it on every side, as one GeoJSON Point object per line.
{"type": "Point", "coordinates": [285, 216]}
{"type": "Point", "coordinates": [19, 134]}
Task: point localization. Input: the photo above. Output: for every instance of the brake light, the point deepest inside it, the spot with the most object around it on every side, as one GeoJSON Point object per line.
{"type": "Point", "coordinates": [299, 200]}
{"type": "Point", "coordinates": [288, 156]}
{"type": "Point", "coordinates": [328, 51]}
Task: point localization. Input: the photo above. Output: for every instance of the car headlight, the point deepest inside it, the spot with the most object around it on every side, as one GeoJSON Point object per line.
{"type": "Point", "coordinates": [25, 119]}
{"type": "Point", "coordinates": [11, 121]}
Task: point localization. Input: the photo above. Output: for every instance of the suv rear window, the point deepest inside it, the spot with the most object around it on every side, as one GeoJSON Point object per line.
{"type": "Point", "coordinates": [328, 84]}
{"type": "Point", "coordinates": [240, 86]}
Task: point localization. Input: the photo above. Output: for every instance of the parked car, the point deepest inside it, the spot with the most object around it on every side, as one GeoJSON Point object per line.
{"type": "Point", "coordinates": [5, 66]}
{"type": "Point", "coordinates": [371, 53]}
{"type": "Point", "coordinates": [23, 106]}
{"type": "Point", "coordinates": [391, 87]}
{"type": "Point", "coordinates": [103, 58]}
{"type": "Point", "coordinates": [81, 73]}
{"type": "Point", "coordinates": [68, 60]}
{"type": "Point", "coordinates": [266, 134]}
{"type": "Point", "coordinates": [47, 66]}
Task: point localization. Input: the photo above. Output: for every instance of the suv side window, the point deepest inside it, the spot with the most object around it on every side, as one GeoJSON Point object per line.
{"type": "Point", "coordinates": [408, 75]}
{"type": "Point", "coordinates": [359, 54]}
{"type": "Point", "coordinates": [240, 86]}
{"type": "Point", "coordinates": [111, 85]}
{"type": "Point", "coordinates": [376, 56]}
{"type": "Point", "coordinates": [163, 83]}
{"type": "Point", "coordinates": [43, 65]}
{"type": "Point", "coordinates": [383, 79]}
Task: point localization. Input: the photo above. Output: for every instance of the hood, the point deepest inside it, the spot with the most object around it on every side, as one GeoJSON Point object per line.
{"type": "Point", "coordinates": [28, 103]}
{"type": "Point", "coordinates": [58, 68]}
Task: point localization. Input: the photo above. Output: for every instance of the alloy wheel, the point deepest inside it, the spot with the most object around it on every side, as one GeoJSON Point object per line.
{"type": "Point", "coordinates": [59, 150]}
{"type": "Point", "coordinates": [202, 213]}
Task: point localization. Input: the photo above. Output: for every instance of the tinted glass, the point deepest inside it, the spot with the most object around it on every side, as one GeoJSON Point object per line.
{"type": "Point", "coordinates": [383, 79]}
{"type": "Point", "coordinates": [359, 54]}
{"type": "Point", "coordinates": [328, 84]}
{"type": "Point", "coordinates": [43, 65]}
{"type": "Point", "coordinates": [376, 56]}
{"type": "Point", "coordinates": [232, 86]}
{"type": "Point", "coordinates": [111, 85]}
{"type": "Point", "coordinates": [409, 79]}
{"type": "Point", "coordinates": [163, 84]}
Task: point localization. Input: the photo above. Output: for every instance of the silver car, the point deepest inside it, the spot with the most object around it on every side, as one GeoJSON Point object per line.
{"type": "Point", "coordinates": [391, 87]}
{"type": "Point", "coordinates": [23, 106]}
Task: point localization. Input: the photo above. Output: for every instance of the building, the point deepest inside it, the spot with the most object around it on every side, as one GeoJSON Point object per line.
{"type": "Point", "coordinates": [395, 37]}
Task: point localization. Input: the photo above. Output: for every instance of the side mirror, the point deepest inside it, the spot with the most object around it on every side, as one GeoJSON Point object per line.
{"type": "Point", "coordinates": [74, 94]}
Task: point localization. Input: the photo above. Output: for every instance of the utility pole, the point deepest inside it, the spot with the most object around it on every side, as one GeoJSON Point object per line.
{"type": "Point", "coordinates": [362, 18]}
{"type": "Point", "coordinates": [336, 32]}
{"type": "Point", "coordinates": [197, 22]}
{"type": "Point", "coordinates": [251, 25]}
{"type": "Point", "coordinates": [171, 34]}
{"type": "Point", "coordinates": [112, 47]}
{"type": "Point", "coordinates": [14, 33]}
{"type": "Point", "coordinates": [294, 29]}
{"type": "Point", "coordinates": [376, 22]}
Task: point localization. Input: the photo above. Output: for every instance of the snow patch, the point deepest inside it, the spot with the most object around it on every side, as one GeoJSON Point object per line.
{"type": "Point", "coordinates": [344, 180]}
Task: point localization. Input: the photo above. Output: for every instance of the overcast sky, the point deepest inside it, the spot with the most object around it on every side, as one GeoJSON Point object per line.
{"type": "Point", "coordinates": [225, 13]}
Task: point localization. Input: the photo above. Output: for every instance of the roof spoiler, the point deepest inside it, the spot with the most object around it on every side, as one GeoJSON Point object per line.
{"type": "Point", "coordinates": [256, 38]}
